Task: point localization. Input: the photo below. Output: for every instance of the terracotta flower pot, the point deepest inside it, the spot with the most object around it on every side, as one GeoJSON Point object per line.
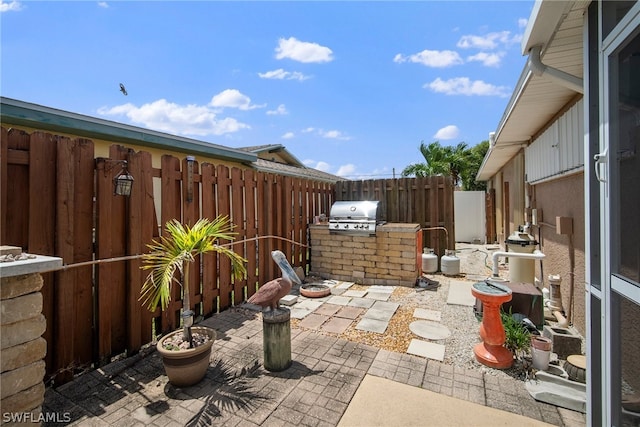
{"type": "Point", "coordinates": [187, 367]}
{"type": "Point", "coordinates": [315, 291]}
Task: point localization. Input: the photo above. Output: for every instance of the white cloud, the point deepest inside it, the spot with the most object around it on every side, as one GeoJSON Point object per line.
{"type": "Point", "coordinates": [160, 115]}
{"type": "Point", "coordinates": [297, 50]}
{"type": "Point", "coordinates": [320, 165]}
{"type": "Point", "coordinates": [522, 22]}
{"type": "Point", "coordinates": [432, 58]}
{"type": "Point", "coordinates": [14, 6]}
{"type": "Point", "coordinates": [233, 98]}
{"type": "Point", "coordinates": [288, 135]}
{"type": "Point", "coordinates": [346, 170]}
{"type": "Point", "coordinates": [309, 129]}
{"type": "Point", "coordinates": [464, 86]}
{"type": "Point", "coordinates": [281, 74]}
{"type": "Point", "coordinates": [489, 41]}
{"type": "Point", "coordinates": [103, 4]}
{"type": "Point", "coordinates": [280, 111]}
{"type": "Point", "coordinates": [447, 132]}
{"type": "Point", "coordinates": [333, 134]}
{"type": "Point", "coordinates": [487, 59]}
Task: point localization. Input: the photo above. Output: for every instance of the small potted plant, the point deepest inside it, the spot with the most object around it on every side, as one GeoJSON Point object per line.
{"type": "Point", "coordinates": [186, 352]}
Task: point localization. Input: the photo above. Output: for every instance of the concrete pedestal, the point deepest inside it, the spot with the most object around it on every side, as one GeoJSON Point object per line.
{"type": "Point", "coordinates": [276, 333]}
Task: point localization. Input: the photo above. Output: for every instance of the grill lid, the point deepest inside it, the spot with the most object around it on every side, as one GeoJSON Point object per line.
{"type": "Point", "coordinates": [358, 217]}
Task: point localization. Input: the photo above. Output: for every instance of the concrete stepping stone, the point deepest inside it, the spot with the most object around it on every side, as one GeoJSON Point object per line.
{"type": "Point", "coordinates": [361, 302]}
{"type": "Point", "coordinates": [309, 304]}
{"type": "Point", "coordinates": [337, 291]}
{"type": "Point", "coordinates": [339, 300]}
{"type": "Point", "coordinates": [288, 300]}
{"type": "Point", "coordinates": [328, 309]}
{"type": "Point", "coordinates": [344, 285]}
{"type": "Point", "coordinates": [378, 314]}
{"type": "Point", "coordinates": [372, 325]}
{"type": "Point", "coordinates": [349, 312]}
{"type": "Point", "coordinates": [380, 296]}
{"type": "Point", "coordinates": [381, 289]}
{"type": "Point", "coordinates": [313, 321]}
{"type": "Point", "coordinates": [336, 325]}
{"type": "Point", "coordinates": [385, 305]}
{"type": "Point", "coordinates": [460, 293]}
{"type": "Point", "coordinates": [354, 294]}
{"type": "Point", "coordinates": [426, 314]}
{"type": "Point", "coordinates": [430, 350]}
{"type": "Point", "coordinates": [429, 330]}
{"type": "Point", "coordinates": [299, 313]}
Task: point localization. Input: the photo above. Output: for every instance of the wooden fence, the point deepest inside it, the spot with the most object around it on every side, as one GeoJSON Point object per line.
{"type": "Point", "coordinates": [57, 199]}
{"type": "Point", "coordinates": [425, 201]}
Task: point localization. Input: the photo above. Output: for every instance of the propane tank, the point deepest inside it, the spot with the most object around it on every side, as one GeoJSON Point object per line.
{"type": "Point", "coordinates": [429, 261]}
{"type": "Point", "coordinates": [450, 263]}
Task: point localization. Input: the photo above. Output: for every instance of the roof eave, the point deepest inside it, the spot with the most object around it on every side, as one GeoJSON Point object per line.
{"type": "Point", "coordinates": [36, 116]}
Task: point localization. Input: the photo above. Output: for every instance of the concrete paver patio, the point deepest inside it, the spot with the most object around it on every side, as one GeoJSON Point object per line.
{"type": "Point", "coordinates": [316, 390]}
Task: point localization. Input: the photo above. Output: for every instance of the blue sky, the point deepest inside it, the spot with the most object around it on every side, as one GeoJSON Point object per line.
{"type": "Point", "coordinates": [350, 88]}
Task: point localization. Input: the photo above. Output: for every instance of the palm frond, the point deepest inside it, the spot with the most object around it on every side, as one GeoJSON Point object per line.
{"type": "Point", "coordinates": [177, 250]}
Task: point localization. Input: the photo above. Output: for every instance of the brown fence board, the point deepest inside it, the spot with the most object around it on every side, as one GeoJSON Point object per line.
{"type": "Point", "coordinates": [170, 178]}
{"type": "Point", "coordinates": [118, 284]}
{"type": "Point", "coordinates": [190, 215]}
{"type": "Point", "coordinates": [224, 209]}
{"type": "Point", "coordinates": [84, 165]}
{"type": "Point", "coordinates": [104, 250]}
{"type": "Point", "coordinates": [210, 290]}
{"type": "Point", "coordinates": [251, 230]}
{"type": "Point", "coordinates": [4, 196]}
{"type": "Point", "coordinates": [263, 230]}
{"type": "Point", "coordinates": [238, 220]}
{"type": "Point", "coordinates": [42, 230]}
{"type": "Point", "coordinates": [16, 224]}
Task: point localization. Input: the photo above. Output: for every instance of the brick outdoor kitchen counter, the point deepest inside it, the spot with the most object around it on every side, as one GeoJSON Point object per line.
{"type": "Point", "coordinates": [390, 257]}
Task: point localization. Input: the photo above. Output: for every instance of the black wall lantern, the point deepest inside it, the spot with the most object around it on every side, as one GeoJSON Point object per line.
{"type": "Point", "coordinates": [123, 182]}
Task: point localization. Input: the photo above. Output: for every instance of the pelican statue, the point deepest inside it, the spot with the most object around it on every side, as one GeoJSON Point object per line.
{"type": "Point", "coordinates": [270, 293]}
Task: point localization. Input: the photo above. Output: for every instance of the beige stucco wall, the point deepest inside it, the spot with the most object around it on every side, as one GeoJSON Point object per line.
{"type": "Point", "coordinates": [563, 197]}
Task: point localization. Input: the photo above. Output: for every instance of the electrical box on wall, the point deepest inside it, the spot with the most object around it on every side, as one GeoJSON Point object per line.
{"type": "Point", "coordinates": [564, 225]}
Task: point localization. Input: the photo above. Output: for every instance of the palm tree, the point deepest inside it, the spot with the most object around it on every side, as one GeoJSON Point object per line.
{"type": "Point", "coordinates": [475, 157]}
{"type": "Point", "coordinates": [435, 161]}
{"type": "Point", "coordinates": [439, 160]}
{"type": "Point", "coordinates": [176, 253]}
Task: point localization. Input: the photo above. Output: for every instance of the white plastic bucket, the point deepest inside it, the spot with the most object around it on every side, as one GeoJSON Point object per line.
{"type": "Point", "coordinates": [540, 352]}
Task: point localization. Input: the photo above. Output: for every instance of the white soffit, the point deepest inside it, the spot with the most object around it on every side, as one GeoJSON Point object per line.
{"type": "Point", "coordinates": [558, 27]}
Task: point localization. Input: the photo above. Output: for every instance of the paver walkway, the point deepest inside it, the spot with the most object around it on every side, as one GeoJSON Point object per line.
{"type": "Point", "coordinates": [315, 391]}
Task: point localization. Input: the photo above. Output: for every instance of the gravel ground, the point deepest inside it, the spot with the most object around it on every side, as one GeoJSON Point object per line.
{"type": "Point", "coordinates": [475, 265]}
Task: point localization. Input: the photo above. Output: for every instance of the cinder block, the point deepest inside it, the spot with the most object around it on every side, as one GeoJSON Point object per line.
{"type": "Point", "coordinates": [565, 342]}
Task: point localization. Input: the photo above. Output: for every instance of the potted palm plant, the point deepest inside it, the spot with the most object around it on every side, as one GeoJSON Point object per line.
{"type": "Point", "coordinates": [186, 352]}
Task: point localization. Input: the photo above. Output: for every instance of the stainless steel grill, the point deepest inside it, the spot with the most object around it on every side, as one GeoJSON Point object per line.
{"type": "Point", "coordinates": [354, 217]}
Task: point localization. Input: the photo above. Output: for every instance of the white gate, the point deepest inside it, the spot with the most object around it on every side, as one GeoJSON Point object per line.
{"type": "Point", "coordinates": [470, 220]}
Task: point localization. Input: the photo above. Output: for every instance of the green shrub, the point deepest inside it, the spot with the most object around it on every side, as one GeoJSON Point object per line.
{"type": "Point", "coordinates": [518, 338]}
